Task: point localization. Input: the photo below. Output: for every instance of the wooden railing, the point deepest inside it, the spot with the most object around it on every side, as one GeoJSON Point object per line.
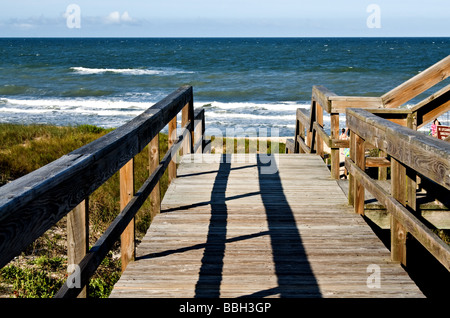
{"type": "Point", "coordinates": [31, 205]}
{"type": "Point", "coordinates": [411, 154]}
{"type": "Point", "coordinates": [309, 132]}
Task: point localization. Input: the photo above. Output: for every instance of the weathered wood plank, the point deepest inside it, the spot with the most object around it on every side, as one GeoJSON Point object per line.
{"type": "Point", "coordinates": [127, 246]}
{"type": "Point", "coordinates": [265, 235]}
{"type": "Point", "coordinates": [322, 96]}
{"type": "Point", "coordinates": [77, 238]}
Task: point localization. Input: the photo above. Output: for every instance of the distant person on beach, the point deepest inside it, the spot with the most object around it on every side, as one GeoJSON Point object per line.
{"type": "Point", "coordinates": [343, 135]}
{"type": "Point", "coordinates": [345, 152]}
{"type": "Point", "coordinates": [434, 127]}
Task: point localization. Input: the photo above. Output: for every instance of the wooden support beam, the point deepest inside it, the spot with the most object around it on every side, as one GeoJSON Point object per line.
{"type": "Point", "coordinates": [322, 95]}
{"type": "Point", "coordinates": [290, 145]}
{"type": "Point", "coordinates": [172, 138]}
{"type": "Point", "coordinates": [351, 179]}
{"type": "Point", "coordinates": [302, 146]}
{"type": "Point", "coordinates": [187, 115]}
{"type": "Point", "coordinates": [382, 170]}
{"type": "Point", "coordinates": [398, 231]}
{"type": "Point", "coordinates": [319, 121]}
{"type": "Point", "coordinates": [199, 130]}
{"type": "Point", "coordinates": [335, 152]}
{"type": "Point", "coordinates": [78, 239]}
{"type": "Point", "coordinates": [310, 131]}
{"type": "Point", "coordinates": [360, 162]}
{"type": "Point", "coordinates": [377, 162]}
{"type": "Point", "coordinates": [298, 126]}
{"type": "Point", "coordinates": [155, 195]}
{"type": "Point", "coordinates": [127, 245]}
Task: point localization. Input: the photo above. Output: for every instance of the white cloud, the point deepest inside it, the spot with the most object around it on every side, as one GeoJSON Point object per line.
{"type": "Point", "coordinates": [126, 17]}
{"type": "Point", "coordinates": [116, 18]}
{"type": "Point", "coordinates": [113, 17]}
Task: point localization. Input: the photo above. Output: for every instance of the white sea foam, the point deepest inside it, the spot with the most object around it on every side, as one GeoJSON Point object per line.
{"type": "Point", "coordinates": [117, 110]}
{"type": "Point", "coordinates": [262, 117]}
{"type": "Point", "coordinates": [126, 71]}
{"type": "Point", "coordinates": [67, 103]}
{"type": "Point", "coordinates": [278, 106]}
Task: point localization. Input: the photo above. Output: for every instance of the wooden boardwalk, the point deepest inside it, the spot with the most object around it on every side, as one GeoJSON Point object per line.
{"type": "Point", "coordinates": [240, 226]}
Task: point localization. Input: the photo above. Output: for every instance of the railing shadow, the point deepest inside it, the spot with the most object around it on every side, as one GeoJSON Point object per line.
{"type": "Point", "coordinates": [294, 275]}
{"type": "Point", "coordinates": [210, 274]}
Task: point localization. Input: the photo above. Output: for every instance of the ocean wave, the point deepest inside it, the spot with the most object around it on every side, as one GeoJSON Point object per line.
{"type": "Point", "coordinates": [65, 103]}
{"type": "Point", "coordinates": [262, 117]}
{"type": "Point", "coordinates": [13, 89]}
{"type": "Point", "coordinates": [278, 106]}
{"type": "Point", "coordinates": [85, 92]}
{"type": "Point", "coordinates": [126, 71]}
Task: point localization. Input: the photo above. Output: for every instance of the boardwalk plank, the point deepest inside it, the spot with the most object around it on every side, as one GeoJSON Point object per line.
{"type": "Point", "coordinates": [229, 230]}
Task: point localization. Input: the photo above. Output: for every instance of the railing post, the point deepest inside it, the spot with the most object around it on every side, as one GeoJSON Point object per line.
{"type": "Point", "coordinates": [411, 181]}
{"type": "Point", "coordinates": [172, 138]}
{"type": "Point", "coordinates": [335, 152]}
{"type": "Point", "coordinates": [351, 178]}
{"type": "Point", "coordinates": [319, 119]}
{"type": "Point", "coordinates": [78, 238]}
{"type": "Point", "coordinates": [382, 171]}
{"type": "Point", "coordinates": [199, 132]}
{"type": "Point", "coordinates": [312, 118]}
{"type": "Point", "coordinates": [127, 246]}
{"type": "Point", "coordinates": [297, 134]}
{"type": "Point", "coordinates": [360, 162]}
{"type": "Point", "coordinates": [398, 232]}
{"type": "Point", "coordinates": [155, 195]}
{"type": "Point", "coordinates": [187, 114]}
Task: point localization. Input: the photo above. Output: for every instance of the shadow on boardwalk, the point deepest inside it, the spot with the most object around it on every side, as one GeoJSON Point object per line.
{"type": "Point", "coordinates": [294, 275]}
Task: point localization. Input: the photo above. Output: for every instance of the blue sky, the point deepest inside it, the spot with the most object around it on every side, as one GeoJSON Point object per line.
{"type": "Point", "coordinates": [225, 18]}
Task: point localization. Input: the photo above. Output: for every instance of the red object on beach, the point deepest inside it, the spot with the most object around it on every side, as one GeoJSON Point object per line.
{"type": "Point", "coordinates": [443, 131]}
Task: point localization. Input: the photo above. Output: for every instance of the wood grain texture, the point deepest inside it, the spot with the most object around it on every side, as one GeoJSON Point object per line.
{"type": "Point", "coordinates": [232, 226]}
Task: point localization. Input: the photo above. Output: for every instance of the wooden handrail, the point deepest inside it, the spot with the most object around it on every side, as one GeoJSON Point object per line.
{"type": "Point", "coordinates": [427, 155]}
{"type": "Point", "coordinates": [417, 84]}
{"type": "Point", "coordinates": [432, 107]}
{"type": "Point", "coordinates": [416, 117]}
{"type": "Point", "coordinates": [411, 153]}
{"type": "Point", "coordinates": [32, 204]}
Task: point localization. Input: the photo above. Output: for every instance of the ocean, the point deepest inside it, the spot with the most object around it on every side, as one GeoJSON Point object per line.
{"type": "Point", "coordinates": [242, 82]}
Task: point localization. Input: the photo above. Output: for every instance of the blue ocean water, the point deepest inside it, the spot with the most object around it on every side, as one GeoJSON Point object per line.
{"type": "Point", "coordinates": [242, 82]}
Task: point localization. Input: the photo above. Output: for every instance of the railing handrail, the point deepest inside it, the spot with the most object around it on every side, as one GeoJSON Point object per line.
{"type": "Point", "coordinates": [32, 204]}
{"type": "Point", "coordinates": [324, 99]}
{"type": "Point", "coordinates": [417, 84]}
{"type": "Point", "coordinates": [412, 154]}
{"type": "Point", "coordinates": [427, 155]}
